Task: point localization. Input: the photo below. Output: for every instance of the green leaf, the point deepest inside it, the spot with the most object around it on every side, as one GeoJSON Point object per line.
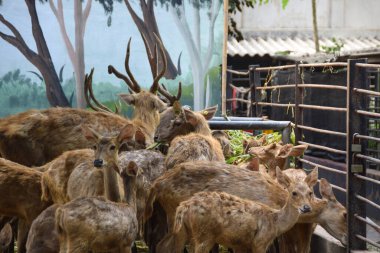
{"type": "Point", "coordinates": [284, 4]}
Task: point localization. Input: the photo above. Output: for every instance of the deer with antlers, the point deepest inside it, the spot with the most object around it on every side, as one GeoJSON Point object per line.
{"type": "Point", "coordinates": [36, 137]}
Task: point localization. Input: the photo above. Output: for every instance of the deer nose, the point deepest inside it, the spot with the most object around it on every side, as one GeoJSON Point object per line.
{"type": "Point", "coordinates": [155, 138]}
{"type": "Point", "coordinates": [98, 163]}
{"type": "Point", "coordinates": [306, 209]}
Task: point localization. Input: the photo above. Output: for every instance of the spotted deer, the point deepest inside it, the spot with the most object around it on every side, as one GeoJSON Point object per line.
{"type": "Point", "coordinates": [86, 172]}
{"type": "Point", "coordinates": [218, 217]}
{"type": "Point", "coordinates": [189, 135]}
{"type": "Point", "coordinates": [98, 225]}
{"type": "Point", "coordinates": [186, 179]}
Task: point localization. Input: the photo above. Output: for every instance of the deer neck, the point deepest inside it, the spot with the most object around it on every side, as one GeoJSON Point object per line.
{"type": "Point", "coordinates": [111, 183]}
{"type": "Point", "coordinates": [287, 216]}
{"type": "Point", "coordinates": [130, 191]}
{"type": "Point", "coordinates": [148, 119]}
{"type": "Point", "coordinates": [202, 128]}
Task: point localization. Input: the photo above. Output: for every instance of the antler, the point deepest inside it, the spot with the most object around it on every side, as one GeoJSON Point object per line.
{"type": "Point", "coordinates": [89, 94]}
{"type": "Point", "coordinates": [162, 89]}
{"type": "Point", "coordinates": [131, 81]}
{"type": "Point", "coordinates": [153, 61]}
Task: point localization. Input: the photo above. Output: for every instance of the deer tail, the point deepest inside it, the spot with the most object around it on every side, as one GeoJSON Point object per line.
{"type": "Point", "coordinates": [179, 214]}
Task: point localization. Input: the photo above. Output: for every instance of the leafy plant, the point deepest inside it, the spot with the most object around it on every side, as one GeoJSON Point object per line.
{"type": "Point", "coordinates": [335, 48]}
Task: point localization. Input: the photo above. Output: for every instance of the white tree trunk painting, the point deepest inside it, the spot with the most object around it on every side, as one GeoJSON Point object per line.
{"type": "Point", "coordinates": [76, 54]}
{"type": "Point", "coordinates": [200, 61]}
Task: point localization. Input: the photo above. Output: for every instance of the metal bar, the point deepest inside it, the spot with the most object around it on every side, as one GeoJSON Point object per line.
{"type": "Point", "coordinates": [246, 125]}
{"type": "Point", "coordinates": [275, 105]}
{"type": "Point", "coordinates": [367, 137]}
{"type": "Point", "coordinates": [356, 78]}
{"type": "Point", "coordinates": [367, 201]}
{"type": "Point", "coordinates": [237, 119]}
{"type": "Point", "coordinates": [322, 167]}
{"type": "Point", "coordinates": [367, 92]}
{"type": "Point", "coordinates": [368, 241]}
{"type": "Point", "coordinates": [257, 94]}
{"type": "Point", "coordinates": [367, 65]}
{"type": "Point", "coordinates": [377, 161]}
{"type": "Point", "coordinates": [330, 64]}
{"type": "Point", "coordinates": [371, 223]}
{"type": "Point", "coordinates": [238, 72]}
{"type": "Point", "coordinates": [275, 68]}
{"type": "Point", "coordinates": [323, 86]}
{"type": "Point", "coordinates": [337, 151]}
{"type": "Point", "coordinates": [322, 130]}
{"type": "Point", "coordinates": [238, 99]}
{"type": "Point", "coordinates": [276, 87]}
{"type": "Point", "coordinates": [336, 187]}
{"type": "Point", "coordinates": [325, 108]}
{"type": "Point", "coordinates": [372, 114]}
{"type": "Point", "coordinates": [368, 179]}
{"type": "Point", "coordinates": [228, 92]}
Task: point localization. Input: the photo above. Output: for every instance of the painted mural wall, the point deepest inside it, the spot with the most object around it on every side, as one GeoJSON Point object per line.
{"type": "Point", "coordinates": [51, 44]}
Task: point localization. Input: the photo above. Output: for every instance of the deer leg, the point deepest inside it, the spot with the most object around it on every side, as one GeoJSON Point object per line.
{"type": "Point", "coordinates": [203, 247]}
{"type": "Point", "coordinates": [22, 236]}
{"type": "Point", "coordinates": [215, 249]}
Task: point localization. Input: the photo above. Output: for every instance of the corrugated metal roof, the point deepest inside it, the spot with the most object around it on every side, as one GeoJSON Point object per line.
{"type": "Point", "coordinates": [299, 47]}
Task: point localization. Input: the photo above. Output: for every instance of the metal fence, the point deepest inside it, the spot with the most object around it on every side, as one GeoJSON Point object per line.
{"type": "Point", "coordinates": [361, 132]}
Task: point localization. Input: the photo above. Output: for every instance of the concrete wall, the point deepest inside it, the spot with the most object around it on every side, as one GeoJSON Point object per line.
{"type": "Point", "coordinates": [336, 17]}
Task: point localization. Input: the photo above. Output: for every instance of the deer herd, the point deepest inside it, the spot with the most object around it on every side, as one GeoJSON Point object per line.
{"type": "Point", "coordinates": [76, 180]}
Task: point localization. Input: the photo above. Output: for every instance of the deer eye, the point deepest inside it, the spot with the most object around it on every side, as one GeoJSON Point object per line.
{"type": "Point", "coordinates": [94, 147]}
{"type": "Point", "coordinates": [310, 194]}
{"type": "Point", "coordinates": [294, 194]}
{"type": "Point", "coordinates": [112, 147]}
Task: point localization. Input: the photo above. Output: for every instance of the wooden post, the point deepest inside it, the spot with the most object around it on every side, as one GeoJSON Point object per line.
{"type": "Point", "coordinates": [251, 68]}
{"type": "Point", "coordinates": [355, 123]}
{"type": "Point", "coordinates": [224, 59]}
{"type": "Point", "coordinates": [298, 114]}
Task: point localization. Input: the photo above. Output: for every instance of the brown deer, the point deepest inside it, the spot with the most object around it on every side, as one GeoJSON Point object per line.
{"type": "Point", "coordinates": [275, 154]}
{"type": "Point", "coordinates": [224, 141]}
{"type": "Point", "coordinates": [36, 137]}
{"type": "Point", "coordinates": [98, 225]}
{"type": "Point", "coordinates": [43, 236]}
{"type": "Point", "coordinates": [77, 173]}
{"type": "Point", "coordinates": [189, 135]}
{"type": "Point", "coordinates": [186, 179]}
{"type": "Point", "coordinates": [21, 196]}
{"type": "Point", "coordinates": [218, 217]}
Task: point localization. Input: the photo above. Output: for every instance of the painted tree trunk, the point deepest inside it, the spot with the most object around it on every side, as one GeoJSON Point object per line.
{"type": "Point", "coordinates": [147, 27]}
{"type": "Point", "coordinates": [79, 54]}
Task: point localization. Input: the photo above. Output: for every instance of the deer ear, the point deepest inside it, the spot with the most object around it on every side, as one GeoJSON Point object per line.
{"type": "Point", "coordinates": [128, 98]}
{"type": "Point", "coordinates": [177, 107]}
{"type": "Point", "coordinates": [298, 150]}
{"type": "Point", "coordinates": [284, 151]}
{"type": "Point", "coordinates": [140, 137]}
{"type": "Point", "coordinates": [282, 179]}
{"type": "Point", "coordinates": [127, 132]}
{"type": "Point", "coordinates": [89, 133]}
{"type": "Point", "coordinates": [191, 117]}
{"type": "Point", "coordinates": [253, 164]}
{"type": "Point", "coordinates": [132, 169]}
{"type": "Point", "coordinates": [326, 190]}
{"type": "Point", "coordinates": [208, 113]}
{"type": "Point", "coordinates": [312, 178]}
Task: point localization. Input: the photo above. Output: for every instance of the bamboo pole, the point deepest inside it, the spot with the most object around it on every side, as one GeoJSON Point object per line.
{"type": "Point", "coordinates": [224, 59]}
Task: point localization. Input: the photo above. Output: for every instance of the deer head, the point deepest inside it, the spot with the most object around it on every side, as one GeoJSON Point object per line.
{"type": "Point", "coordinates": [107, 147]}
{"type": "Point", "coordinates": [334, 215]}
{"type": "Point", "coordinates": [275, 154]}
{"type": "Point", "coordinates": [177, 120]}
{"type": "Point", "coordinates": [300, 192]}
